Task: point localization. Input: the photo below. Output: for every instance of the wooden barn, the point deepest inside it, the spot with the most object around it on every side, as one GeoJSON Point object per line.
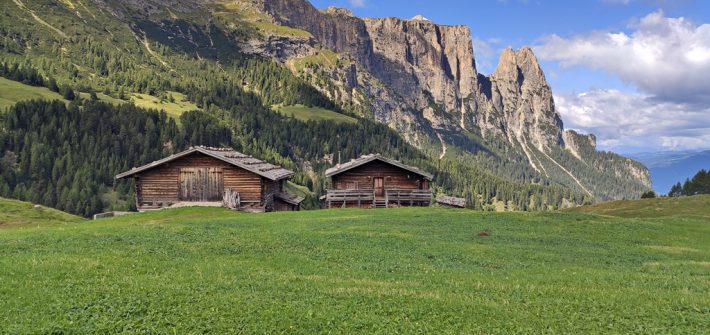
{"type": "Point", "coordinates": [212, 176]}
{"type": "Point", "coordinates": [373, 181]}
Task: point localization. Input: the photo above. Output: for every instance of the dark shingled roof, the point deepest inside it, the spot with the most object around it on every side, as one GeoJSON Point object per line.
{"type": "Point", "coordinates": [340, 168]}
{"type": "Point", "coordinates": [290, 198]}
{"type": "Point", "coordinates": [227, 155]}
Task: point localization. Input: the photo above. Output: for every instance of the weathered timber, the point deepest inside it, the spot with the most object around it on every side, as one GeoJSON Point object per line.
{"type": "Point", "coordinates": [373, 181]}
{"type": "Point", "coordinates": [231, 199]}
{"type": "Point", "coordinates": [451, 201]}
{"type": "Point", "coordinates": [200, 175]}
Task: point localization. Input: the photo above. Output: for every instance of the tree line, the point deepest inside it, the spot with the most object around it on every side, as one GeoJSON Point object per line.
{"type": "Point", "coordinates": [699, 184]}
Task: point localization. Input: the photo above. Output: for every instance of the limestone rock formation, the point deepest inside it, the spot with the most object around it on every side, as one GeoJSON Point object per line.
{"type": "Point", "coordinates": [420, 78]}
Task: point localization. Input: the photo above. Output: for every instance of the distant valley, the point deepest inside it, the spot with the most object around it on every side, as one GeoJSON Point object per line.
{"type": "Point", "coordinates": [670, 167]}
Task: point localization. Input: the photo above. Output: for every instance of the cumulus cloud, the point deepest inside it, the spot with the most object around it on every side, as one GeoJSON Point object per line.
{"type": "Point", "coordinates": [668, 58]}
{"type": "Point", "coordinates": [487, 52]}
{"type": "Point", "coordinates": [634, 121]}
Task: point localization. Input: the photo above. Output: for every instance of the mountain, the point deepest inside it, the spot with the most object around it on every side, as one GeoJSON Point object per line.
{"type": "Point", "coordinates": [670, 167]}
{"type": "Point", "coordinates": [435, 89]}
{"type": "Point", "coordinates": [412, 86]}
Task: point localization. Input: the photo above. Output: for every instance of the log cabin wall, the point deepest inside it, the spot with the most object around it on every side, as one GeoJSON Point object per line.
{"type": "Point", "coordinates": [270, 189]}
{"type": "Point", "coordinates": [361, 177]}
{"type": "Point", "coordinates": [162, 184]}
{"type": "Point", "coordinates": [281, 206]}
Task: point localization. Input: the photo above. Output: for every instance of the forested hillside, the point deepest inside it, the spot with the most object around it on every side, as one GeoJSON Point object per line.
{"type": "Point", "coordinates": [64, 154]}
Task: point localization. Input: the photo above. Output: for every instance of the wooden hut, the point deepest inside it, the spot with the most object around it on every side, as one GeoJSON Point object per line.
{"type": "Point", "coordinates": [374, 181]}
{"type": "Point", "coordinates": [448, 201]}
{"type": "Point", "coordinates": [212, 176]}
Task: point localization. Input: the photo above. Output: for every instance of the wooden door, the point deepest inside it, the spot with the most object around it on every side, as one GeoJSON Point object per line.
{"type": "Point", "coordinates": [201, 184]}
{"type": "Point", "coordinates": [379, 186]}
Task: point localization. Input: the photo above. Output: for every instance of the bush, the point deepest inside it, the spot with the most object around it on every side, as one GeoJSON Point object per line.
{"type": "Point", "coordinates": [648, 195]}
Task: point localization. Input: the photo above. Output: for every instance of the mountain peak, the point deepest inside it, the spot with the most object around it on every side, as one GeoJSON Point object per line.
{"type": "Point", "coordinates": [517, 63]}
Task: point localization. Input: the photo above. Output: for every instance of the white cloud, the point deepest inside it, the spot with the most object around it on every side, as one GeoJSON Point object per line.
{"type": "Point", "coordinates": [633, 121]}
{"type": "Point", "coordinates": [668, 58]}
{"type": "Point", "coordinates": [357, 3]}
{"type": "Point", "coordinates": [486, 53]}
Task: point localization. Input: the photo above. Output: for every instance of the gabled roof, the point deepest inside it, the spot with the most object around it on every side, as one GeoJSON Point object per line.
{"type": "Point", "coordinates": [227, 155]}
{"type": "Point", "coordinates": [340, 168]}
{"type": "Point", "coordinates": [290, 198]}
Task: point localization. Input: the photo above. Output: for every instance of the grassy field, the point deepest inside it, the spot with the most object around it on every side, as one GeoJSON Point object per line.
{"type": "Point", "coordinates": [179, 105]}
{"type": "Point", "coordinates": [421, 270]}
{"type": "Point", "coordinates": [696, 207]}
{"type": "Point", "coordinates": [12, 92]}
{"type": "Point", "coordinates": [305, 113]}
{"type": "Point", "coordinates": [18, 214]}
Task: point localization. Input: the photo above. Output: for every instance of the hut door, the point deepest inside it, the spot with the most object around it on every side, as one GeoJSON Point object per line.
{"type": "Point", "coordinates": [201, 184]}
{"type": "Point", "coordinates": [379, 186]}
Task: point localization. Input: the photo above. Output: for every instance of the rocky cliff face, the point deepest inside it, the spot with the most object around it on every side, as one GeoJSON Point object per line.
{"type": "Point", "coordinates": [433, 66]}
{"type": "Point", "coordinates": [420, 78]}
{"type": "Point", "coordinates": [417, 75]}
{"type": "Point", "coordinates": [419, 60]}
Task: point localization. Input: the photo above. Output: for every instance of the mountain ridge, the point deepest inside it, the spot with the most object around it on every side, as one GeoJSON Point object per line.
{"type": "Point", "coordinates": [434, 66]}
{"type": "Point", "coordinates": [495, 140]}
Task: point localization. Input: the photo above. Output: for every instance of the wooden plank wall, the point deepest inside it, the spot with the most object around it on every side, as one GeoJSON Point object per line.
{"type": "Point", "coordinates": [270, 189]}
{"type": "Point", "coordinates": [282, 206]}
{"type": "Point", "coordinates": [361, 177]}
{"type": "Point", "coordinates": [162, 184]}
{"type": "Point", "coordinates": [201, 184]}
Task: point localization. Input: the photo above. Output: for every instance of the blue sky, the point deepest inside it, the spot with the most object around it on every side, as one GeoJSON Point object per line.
{"type": "Point", "coordinates": [616, 90]}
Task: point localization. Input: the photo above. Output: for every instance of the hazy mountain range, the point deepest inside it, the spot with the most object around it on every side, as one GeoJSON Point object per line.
{"type": "Point", "coordinates": [670, 167]}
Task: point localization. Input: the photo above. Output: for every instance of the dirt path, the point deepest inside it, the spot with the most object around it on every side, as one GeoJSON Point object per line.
{"type": "Point", "coordinates": [146, 44]}
{"type": "Point", "coordinates": [39, 19]}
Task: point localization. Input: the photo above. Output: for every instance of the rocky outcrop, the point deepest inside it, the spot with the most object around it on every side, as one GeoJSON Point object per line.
{"type": "Point", "coordinates": [424, 62]}
{"type": "Point", "coordinates": [420, 59]}
{"type": "Point", "coordinates": [420, 78]}
{"type": "Point", "coordinates": [574, 142]}
{"type": "Point", "coordinates": [521, 99]}
{"type": "Point", "coordinates": [416, 74]}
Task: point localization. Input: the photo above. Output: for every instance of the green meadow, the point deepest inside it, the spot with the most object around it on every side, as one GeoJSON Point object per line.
{"type": "Point", "coordinates": [415, 270]}
{"type": "Point", "coordinates": [174, 108]}
{"type": "Point", "coordinates": [12, 92]}
{"type": "Point", "coordinates": [305, 113]}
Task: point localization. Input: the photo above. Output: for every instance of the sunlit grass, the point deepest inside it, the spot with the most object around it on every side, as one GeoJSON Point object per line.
{"type": "Point", "coordinates": [305, 113]}
{"type": "Point", "coordinates": [208, 270]}
{"type": "Point", "coordinates": [12, 92]}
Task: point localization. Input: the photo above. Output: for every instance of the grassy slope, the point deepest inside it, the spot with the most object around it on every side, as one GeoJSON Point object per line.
{"type": "Point", "coordinates": [305, 113]}
{"type": "Point", "coordinates": [696, 206]}
{"type": "Point", "coordinates": [12, 91]}
{"type": "Point", "coordinates": [174, 109]}
{"type": "Point", "coordinates": [198, 270]}
{"type": "Point", "coordinates": [15, 213]}
{"type": "Point", "coordinates": [324, 58]}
